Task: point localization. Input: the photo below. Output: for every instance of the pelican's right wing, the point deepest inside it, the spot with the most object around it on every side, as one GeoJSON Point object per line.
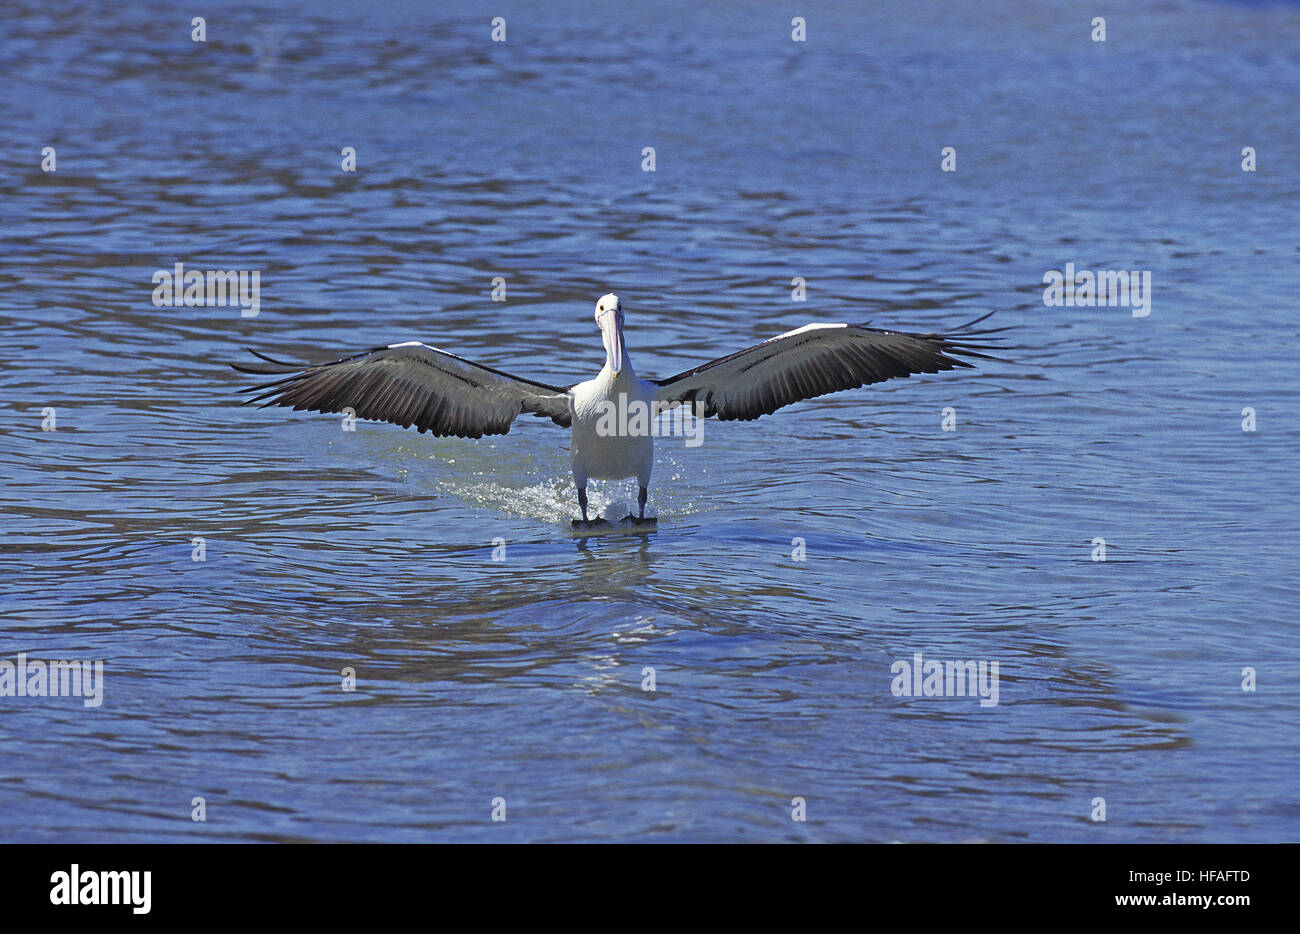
{"type": "Point", "coordinates": [411, 384]}
{"type": "Point", "coordinates": [814, 360]}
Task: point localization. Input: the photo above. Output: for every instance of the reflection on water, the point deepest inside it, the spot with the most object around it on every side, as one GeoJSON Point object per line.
{"type": "Point", "coordinates": [796, 558]}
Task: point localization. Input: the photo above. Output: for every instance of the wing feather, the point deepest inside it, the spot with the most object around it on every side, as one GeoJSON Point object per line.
{"type": "Point", "coordinates": [412, 385]}
{"type": "Point", "coordinates": [815, 360]}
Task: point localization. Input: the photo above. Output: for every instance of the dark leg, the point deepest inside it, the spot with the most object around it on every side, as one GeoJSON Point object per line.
{"type": "Point", "coordinates": [640, 502]}
{"type": "Point", "coordinates": [583, 522]}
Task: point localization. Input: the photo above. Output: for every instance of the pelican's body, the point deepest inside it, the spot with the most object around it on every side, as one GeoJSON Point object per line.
{"type": "Point", "coordinates": [413, 384]}
{"type": "Point", "coordinates": [609, 456]}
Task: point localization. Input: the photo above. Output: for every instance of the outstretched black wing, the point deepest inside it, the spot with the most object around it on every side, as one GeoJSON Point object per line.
{"type": "Point", "coordinates": [411, 384]}
{"type": "Point", "coordinates": [814, 360]}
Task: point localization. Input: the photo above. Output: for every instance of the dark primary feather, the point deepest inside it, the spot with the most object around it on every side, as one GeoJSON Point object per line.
{"type": "Point", "coordinates": [271, 367]}
{"type": "Point", "coordinates": [802, 364]}
{"type": "Point", "coordinates": [410, 385]}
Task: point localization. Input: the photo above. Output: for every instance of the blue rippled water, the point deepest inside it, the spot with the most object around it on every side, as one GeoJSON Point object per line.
{"type": "Point", "coordinates": [522, 679]}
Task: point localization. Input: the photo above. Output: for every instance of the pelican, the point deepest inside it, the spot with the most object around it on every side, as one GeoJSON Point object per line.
{"type": "Point", "coordinates": [414, 384]}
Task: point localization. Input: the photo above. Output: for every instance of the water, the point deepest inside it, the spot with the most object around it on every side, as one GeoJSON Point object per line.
{"type": "Point", "coordinates": [522, 679]}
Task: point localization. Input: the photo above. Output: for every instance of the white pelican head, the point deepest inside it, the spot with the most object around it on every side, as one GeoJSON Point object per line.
{"type": "Point", "coordinates": [609, 318]}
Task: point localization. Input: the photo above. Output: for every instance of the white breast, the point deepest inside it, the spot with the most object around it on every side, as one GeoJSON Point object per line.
{"type": "Point", "coordinates": [612, 428]}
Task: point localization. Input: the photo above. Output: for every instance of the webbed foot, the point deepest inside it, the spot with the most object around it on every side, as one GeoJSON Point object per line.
{"type": "Point", "coordinates": [589, 523]}
{"type": "Point", "coordinates": [630, 519]}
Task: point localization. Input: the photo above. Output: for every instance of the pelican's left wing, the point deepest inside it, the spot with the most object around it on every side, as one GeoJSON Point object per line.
{"type": "Point", "coordinates": [813, 360]}
{"type": "Point", "coordinates": [411, 384]}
